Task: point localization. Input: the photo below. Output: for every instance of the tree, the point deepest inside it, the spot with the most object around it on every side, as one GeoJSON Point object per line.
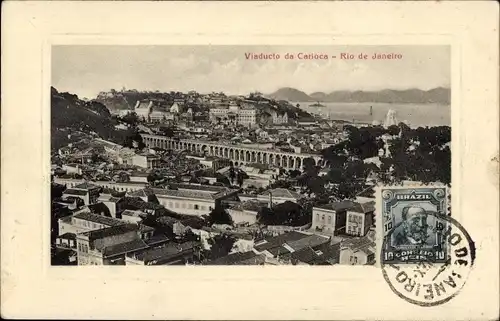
{"type": "Point", "coordinates": [421, 154]}
{"type": "Point", "coordinates": [281, 184]}
{"type": "Point", "coordinates": [152, 177]}
{"type": "Point", "coordinates": [309, 165]}
{"type": "Point", "coordinates": [293, 173]}
{"type": "Point", "coordinates": [266, 216]}
{"type": "Point", "coordinates": [240, 176]}
{"type": "Point", "coordinates": [131, 118]}
{"type": "Point", "coordinates": [222, 179]}
{"type": "Point", "coordinates": [219, 216]}
{"type": "Point", "coordinates": [220, 245]}
{"type": "Point", "coordinates": [132, 137]}
{"type": "Point", "coordinates": [232, 173]}
{"type": "Point", "coordinates": [287, 213]}
{"type": "Point", "coordinates": [393, 130]}
{"type": "Point", "coordinates": [167, 131]}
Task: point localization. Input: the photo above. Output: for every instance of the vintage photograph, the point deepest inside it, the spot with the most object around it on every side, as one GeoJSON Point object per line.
{"type": "Point", "coordinates": [241, 155]}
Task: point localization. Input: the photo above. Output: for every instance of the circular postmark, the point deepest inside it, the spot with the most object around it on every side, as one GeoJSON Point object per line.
{"type": "Point", "coordinates": [424, 280]}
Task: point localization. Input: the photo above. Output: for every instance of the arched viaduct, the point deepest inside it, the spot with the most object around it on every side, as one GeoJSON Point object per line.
{"type": "Point", "coordinates": [239, 154]}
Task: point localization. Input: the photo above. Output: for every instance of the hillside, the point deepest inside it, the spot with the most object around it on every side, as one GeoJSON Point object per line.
{"type": "Point", "coordinates": [416, 96]}
{"type": "Point", "coordinates": [290, 94]}
{"type": "Point", "coordinates": [69, 114]}
{"type": "Point", "coordinates": [126, 99]}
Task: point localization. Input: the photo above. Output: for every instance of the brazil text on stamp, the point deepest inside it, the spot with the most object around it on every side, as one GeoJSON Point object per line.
{"type": "Point", "coordinates": [410, 234]}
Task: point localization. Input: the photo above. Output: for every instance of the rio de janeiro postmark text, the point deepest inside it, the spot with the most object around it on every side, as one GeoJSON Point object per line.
{"type": "Point", "coordinates": [426, 255]}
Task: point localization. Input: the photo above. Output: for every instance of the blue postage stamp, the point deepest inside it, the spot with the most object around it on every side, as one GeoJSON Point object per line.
{"type": "Point", "coordinates": [411, 235]}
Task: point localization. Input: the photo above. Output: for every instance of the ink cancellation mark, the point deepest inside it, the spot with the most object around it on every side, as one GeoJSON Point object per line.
{"type": "Point", "coordinates": [427, 282]}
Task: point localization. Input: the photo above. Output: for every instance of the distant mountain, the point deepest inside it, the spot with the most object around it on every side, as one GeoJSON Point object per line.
{"type": "Point", "coordinates": [437, 95]}
{"type": "Point", "coordinates": [320, 96]}
{"type": "Point", "coordinates": [290, 94]}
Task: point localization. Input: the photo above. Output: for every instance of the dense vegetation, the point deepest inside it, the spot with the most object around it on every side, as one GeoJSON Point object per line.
{"type": "Point", "coordinates": [69, 114]}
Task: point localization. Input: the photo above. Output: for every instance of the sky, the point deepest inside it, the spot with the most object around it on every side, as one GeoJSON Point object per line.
{"type": "Point", "coordinates": [86, 70]}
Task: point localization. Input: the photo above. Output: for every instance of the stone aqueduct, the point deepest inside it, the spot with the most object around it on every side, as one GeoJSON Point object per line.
{"type": "Point", "coordinates": [237, 153]}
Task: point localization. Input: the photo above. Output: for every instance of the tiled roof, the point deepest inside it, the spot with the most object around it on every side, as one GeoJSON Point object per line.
{"type": "Point", "coordinates": [363, 208]}
{"type": "Point", "coordinates": [123, 248]}
{"type": "Point", "coordinates": [145, 192]}
{"type": "Point", "coordinates": [247, 258]}
{"type": "Point", "coordinates": [309, 241]}
{"type": "Point", "coordinates": [279, 240]}
{"type": "Point", "coordinates": [162, 253]}
{"type": "Point", "coordinates": [67, 236]}
{"type": "Point", "coordinates": [99, 219]}
{"type": "Point", "coordinates": [305, 255]}
{"type": "Point", "coordinates": [337, 206]}
{"type": "Point", "coordinates": [282, 192]}
{"type": "Point", "coordinates": [111, 231]}
{"type": "Point", "coordinates": [360, 244]}
{"type": "Point", "coordinates": [250, 205]}
{"type": "Point", "coordinates": [71, 191]}
{"type": "Point", "coordinates": [86, 185]}
{"type": "Point", "coordinates": [157, 239]}
{"type": "Point", "coordinates": [205, 188]}
{"type": "Point", "coordinates": [133, 213]}
{"type": "Point", "coordinates": [145, 229]}
{"type": "Point", "coordinates": [184, 193]}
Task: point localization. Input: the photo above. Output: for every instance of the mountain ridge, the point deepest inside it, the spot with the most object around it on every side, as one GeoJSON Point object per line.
{"type": "Point", "coordinates": [439, 95]}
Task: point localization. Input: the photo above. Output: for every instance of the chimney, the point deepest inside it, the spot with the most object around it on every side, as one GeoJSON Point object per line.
{"type": "Point", "coordinates": [270, 199]}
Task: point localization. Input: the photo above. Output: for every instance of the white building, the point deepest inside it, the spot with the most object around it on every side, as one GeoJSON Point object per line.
{"type": "Point", "coordinates": [234, 114]}
{"type": "Point", "coordinates": [146, 160]}
{"type": "Point", "coordinates": [143, 109]}
{"type": "Point", "coordinates": [358, 251]}
{"type": "Point", "coordinates": [246, 212]}
{"type": "Point", "coordinates": [192, 199]}
{"type": "Point", "coordinates": [175, 108]}
{"type": "Point", "coordinates": [279, 195]}
{"type": "Point", "coordinates": [247, 116]}
{"type": "Point", "coordinates": [84, 222]}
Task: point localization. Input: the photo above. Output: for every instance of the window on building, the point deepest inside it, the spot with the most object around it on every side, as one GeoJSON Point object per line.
{"type": "Point", "coordinates": [323, 218]}
{"type": "Point", "coordinates": [329, 219]}
{"type": "Point", "coordinates": [317, 217]}
{"type": "Point", "coordinates": [353, 260]}
{"type": "Point", "coordinates": [176, 205]}
{"type": "Point", "coordinates": [196, 206]}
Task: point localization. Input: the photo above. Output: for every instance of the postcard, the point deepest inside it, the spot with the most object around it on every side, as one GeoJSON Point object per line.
{"type": "Point", "coordinates": [251, 174]}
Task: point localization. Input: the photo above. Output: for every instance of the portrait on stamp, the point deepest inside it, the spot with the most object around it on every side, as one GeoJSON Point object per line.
{"type": "Point", "coordinates": [415, 234]}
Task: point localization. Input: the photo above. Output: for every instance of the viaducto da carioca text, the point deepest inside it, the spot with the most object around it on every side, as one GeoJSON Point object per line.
{"type": "Point", "coordinates": [288, 55]}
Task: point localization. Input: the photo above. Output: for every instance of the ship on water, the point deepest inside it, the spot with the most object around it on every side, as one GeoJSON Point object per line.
{"type": "Point", "coordinates": [317, 104]}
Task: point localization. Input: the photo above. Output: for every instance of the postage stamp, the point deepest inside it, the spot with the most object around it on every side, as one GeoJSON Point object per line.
{"type": "Point", "coordinates": [410, 234]}
{"type": "Point", "coordinates": [429, 282]}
